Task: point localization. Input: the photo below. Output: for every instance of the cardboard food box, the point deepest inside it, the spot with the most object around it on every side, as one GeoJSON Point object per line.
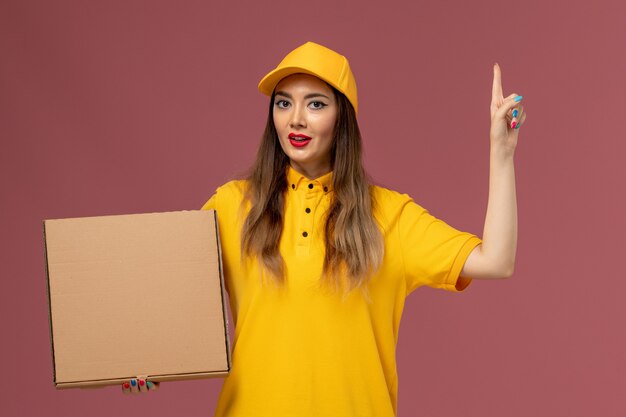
{"type": "Point", "coordinates": [137, 295]}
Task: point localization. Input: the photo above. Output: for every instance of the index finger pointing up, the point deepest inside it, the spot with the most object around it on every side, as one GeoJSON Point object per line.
{"type": "Point", "coordinates": [496, 92]}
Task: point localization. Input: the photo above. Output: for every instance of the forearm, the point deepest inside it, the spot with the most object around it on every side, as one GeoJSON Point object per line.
{"type": "Point", "coordinates": [500, 231]}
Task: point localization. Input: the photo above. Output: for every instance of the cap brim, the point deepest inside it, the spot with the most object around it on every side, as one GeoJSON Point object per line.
{"type": "Point", "coordinates": [269, 82]}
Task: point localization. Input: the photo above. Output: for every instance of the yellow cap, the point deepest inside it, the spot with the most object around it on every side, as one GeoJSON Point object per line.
{"type": "Point", "coordinates": [316, 60]}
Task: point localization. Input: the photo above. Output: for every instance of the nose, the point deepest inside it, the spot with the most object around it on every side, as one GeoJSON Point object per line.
{"type": "Point", "coordinates": [298, 118]}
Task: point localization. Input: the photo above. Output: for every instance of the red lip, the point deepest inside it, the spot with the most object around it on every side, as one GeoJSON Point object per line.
{"type": "Point", "coordinates": [299, 140]}
{"type": "Point", "coordinates": [298, 135]}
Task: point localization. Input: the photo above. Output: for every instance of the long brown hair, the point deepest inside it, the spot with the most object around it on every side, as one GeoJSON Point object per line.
{"type": "Point", "coordinates": [353, 241]}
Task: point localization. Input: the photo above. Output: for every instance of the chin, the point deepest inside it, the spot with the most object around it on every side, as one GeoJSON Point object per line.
{"type": "Point", "coordinates": [299, 156]}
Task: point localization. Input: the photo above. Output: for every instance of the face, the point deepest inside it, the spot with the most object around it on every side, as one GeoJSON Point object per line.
{"type": "Point", "coordinates": [304, 112]}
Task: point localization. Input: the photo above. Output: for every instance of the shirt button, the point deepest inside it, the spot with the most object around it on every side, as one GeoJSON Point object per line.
{"type": "Point", "coordinates": [325, 189]}
{"type": "Point", "coordinates": [310, 186]}
{"type": "Point", "coordinates": [308, 210]}
{"type": "Point", "coordinates": [293, 186]}
{"type": "Point", "coordinates": [305, 234]}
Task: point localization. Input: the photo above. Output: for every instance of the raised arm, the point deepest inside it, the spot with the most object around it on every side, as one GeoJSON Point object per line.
{"type": "Point", "coordinates": [495, 257]}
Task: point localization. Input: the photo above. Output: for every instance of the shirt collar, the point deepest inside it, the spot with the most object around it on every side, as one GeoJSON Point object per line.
{"type": "Point", "coordinates": [296, 180]}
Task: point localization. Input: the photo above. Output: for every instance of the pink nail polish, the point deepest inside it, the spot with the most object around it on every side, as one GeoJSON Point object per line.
{"type": "Point", "coordinates": [513, 125]}
{"type": "Point", "coordinates": [142, 382]}
{"type": "Point", "coordinates": [126, 385]}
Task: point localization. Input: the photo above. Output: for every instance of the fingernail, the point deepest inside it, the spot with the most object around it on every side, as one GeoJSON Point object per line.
{"type": "Point", "coordinates": [518, 99]}
{"type": "Point", "coordinates": [513, 125]}
{"type": "Point", "coordinates": [142, 382]}
{"type": "Point", "coordinates": [126, 385]}
{"type": "Point", "coordinates": [515, 113]}
{"type": "Point", "coordinates": [517, 127]}
{"type": "Point", "coordinates": [133, 382]}
{"type": "Point", "coordinates": [150, 384]}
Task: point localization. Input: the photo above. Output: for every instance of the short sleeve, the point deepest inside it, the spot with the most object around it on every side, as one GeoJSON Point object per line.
{"type": "Point", "coordinates": [433, 252]}
{"type": "Point", "coordinates": [210, 204]}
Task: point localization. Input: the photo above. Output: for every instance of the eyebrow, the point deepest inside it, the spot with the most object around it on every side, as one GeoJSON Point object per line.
{"type": "Point", "coordinates": [282, 93]}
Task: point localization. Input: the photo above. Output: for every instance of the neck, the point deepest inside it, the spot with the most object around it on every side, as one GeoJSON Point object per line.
{"type": "Point", "coordinates": [311, 171]}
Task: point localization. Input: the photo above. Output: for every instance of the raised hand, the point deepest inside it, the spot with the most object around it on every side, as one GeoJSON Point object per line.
{"type": "Point", "coordinates": [507, 115]}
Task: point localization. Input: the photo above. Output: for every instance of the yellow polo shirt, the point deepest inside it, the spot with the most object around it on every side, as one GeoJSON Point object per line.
{"type": "Point", "coordinates": [299, 351]}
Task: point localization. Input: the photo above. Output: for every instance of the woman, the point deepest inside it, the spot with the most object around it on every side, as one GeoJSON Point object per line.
{"type": "Point", "coordinates": [318, 262]}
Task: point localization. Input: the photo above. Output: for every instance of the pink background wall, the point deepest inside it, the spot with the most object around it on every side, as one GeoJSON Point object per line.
{"type": "Point", "coordinates": [117, 107]}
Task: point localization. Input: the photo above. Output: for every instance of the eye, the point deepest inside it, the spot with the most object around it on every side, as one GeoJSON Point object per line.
{"type": "Point", "coordinates": [318, 105]}
{"type": "Point", "coordinates": [278, 104]}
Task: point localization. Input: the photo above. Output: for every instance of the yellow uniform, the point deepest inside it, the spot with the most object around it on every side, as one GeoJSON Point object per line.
{"type": "Point", "coordinates": [300, 351]}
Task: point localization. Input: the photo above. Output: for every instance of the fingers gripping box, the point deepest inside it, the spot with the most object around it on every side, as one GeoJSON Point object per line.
{"type": "Point", "coordinates": [136, 295]}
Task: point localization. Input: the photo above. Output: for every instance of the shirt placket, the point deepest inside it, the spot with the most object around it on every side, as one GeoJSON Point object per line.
{"type": "Point", "coordinates": [312, 193]}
